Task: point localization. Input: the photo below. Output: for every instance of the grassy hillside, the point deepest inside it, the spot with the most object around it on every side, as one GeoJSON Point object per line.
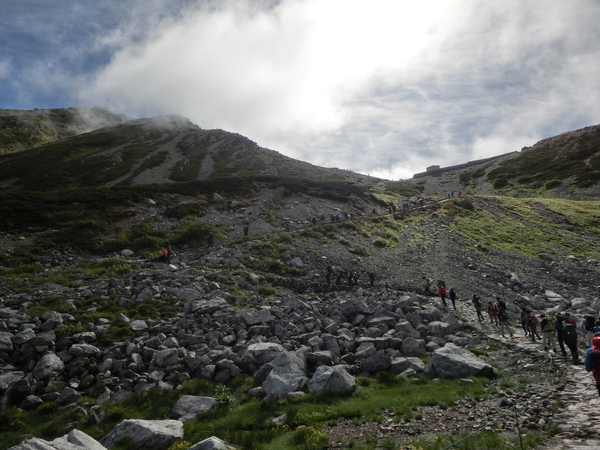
{"type": "Point", "coordinates": [571, 161]}
{"type": "Point", "coordinates": [20, 130]}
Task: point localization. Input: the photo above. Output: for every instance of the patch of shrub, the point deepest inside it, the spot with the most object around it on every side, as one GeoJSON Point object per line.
{"type": "Point", "coordinates": [360, 251]}
{"type": "Point", "coordinates": [552, 184]}
{"type": "Point", "coordinates": [184, 210]}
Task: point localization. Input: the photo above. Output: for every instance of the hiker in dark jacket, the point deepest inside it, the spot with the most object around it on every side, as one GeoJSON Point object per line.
{"type": "Point", "coordinates": [452, 296]}
{"type": "Point", "coordinates": [558, 320]}
{"type": "Point", "coordinates": [569, 329]}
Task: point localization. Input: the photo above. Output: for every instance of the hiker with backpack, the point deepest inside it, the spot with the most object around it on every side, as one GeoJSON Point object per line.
{"type": "Point", "coordinates": [547, 328]}
{"type": "Point", "coordinates": [477, 303]}
{"type": "Point", "coordinates": [589, 325]}
{"type": "Point", "coordinates": [592, 360]}
{"type": "Point", "coordinates": [569, 330]}
{"type": "Point", "coordinates": [442, 293]}
{"type": "Point", "coordinates": [493, 313]}
{"type": "Point", "coordinates": [525, 322]}
{"type": "Point", "coordinates": [328, 272]}
{"type": "Point", "coordinates": [558, 320]}
{"type": "Point", "coordinates": [372, 277]}
{"type": "Point", "coordinates": [504, 323]}
{"type": "Point", "coordinates": [532, 324]}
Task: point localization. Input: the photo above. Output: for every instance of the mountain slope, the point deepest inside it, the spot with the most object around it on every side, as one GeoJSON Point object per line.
{"type": "Point", "coordinates": [21, 129]}
{"type": "Point", "coordinates": [159, 150]}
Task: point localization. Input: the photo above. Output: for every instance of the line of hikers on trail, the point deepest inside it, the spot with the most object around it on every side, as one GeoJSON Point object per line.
{"type": "Point", "coordinates": [351, 275]}
{"type": "Point", "coordinates": [561, 327]}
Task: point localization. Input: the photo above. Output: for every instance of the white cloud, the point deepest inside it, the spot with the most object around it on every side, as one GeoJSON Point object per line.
{"type": "Point", "coordinates": [382, 87]}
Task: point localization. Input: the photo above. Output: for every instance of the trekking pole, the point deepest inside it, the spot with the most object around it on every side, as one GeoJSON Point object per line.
{"type": "Point", "coordinates": [518, 428]}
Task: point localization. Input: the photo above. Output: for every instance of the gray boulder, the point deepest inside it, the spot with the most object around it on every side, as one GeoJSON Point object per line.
{"type": "Point", "coordinates": [378, 362]}
{"type": "Point", "coordinates": [261, 353]}
{"type": "Point", "coordinates": [212, 443]}
{"type": "Point", "coordinates": [331, 379]}
{"type": "Point", "coordinates": [6, 344]}
{"type": "Point", "coordinates": [411, 345]}
{"type": "Point", "coordinates": [188, 406]}
{"type": "Point", "coordinates": [49, 366]}
{"type": "Point", "coordinates": [75, 440]}
{"type": "Point", "coordinates": [145, 434]}
{"type": "Point", "coordinates": [281, 382]}
{"type": "Point", "coordinates": [451, 361]}
{"type": "Point", "coordinates": [400, 365]}
{"type": "Point", "coordinates": [255, 317]}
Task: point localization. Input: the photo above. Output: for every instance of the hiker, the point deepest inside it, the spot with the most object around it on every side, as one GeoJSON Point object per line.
{"type": "Point", "coordinates": [504, 323]}
{"type": "Point", "coordinates": [427, 285]}
{"type": "Point", "coordinates": [287, 227]}
{"type": "Point", "coordinates": [525, 322]}
{"type": "Point", "coordinates": [314, 221]}
{"type": "Point", "coordinates": [477, 304]}
{"type": "Point", "coordinates": [372, 278]}
{"type": "Point", "coordinates": [452, 296]}
{"type": "Point", "coordinates": [355, 277]}
{"type": "Point", "coordinates": [442, 293]}
{"type": "Point", "coordinates": [592, 358]}
{"type": "Point", "coordinates": [164, 253]}
{"type": "Point", "coordinates": [350, 276]}
{"type": "Point", "coordinates": [558, 320]}
{"type": "Point", "coordinates": [338, 278]}
{"type": "Point", "coordinates": [501, 304]}
{"type": "Point", "coordinates": [493, 313]}
{"type": "Point", "coordinates": [569, 329]}
{"type": "Point", "coordinates": [209, 239]}
{"type": "Point", "coordinates": [170, 253]}
{"type": "Point", "coordinates": [328, 272]}
{"type": "Point", "coordinates": [246, 230]}
{"type": "Point", "coordinates": [532, 322]}
{"type": "Point", "coordinates": [547, 328]}
{"type": "Point", "coordinates": [589, 324]}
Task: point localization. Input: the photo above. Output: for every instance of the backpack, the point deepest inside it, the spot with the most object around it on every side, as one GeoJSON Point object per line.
{"type": "Point", "coordinates": [569, 332]}
{"type": "Point", "coordinates": [589, 323]}
{"type": "Point", "coordinates": [165, 252]}
{"type": "Point", "coordinates": [532, 319]}
{"type": "Point", "coordinates": [503, 317]}
{"type": "Point", "coordinates": [597, 329]}
{"type": "Point", "coordinates": [547, 324]}
{"type": "Point", "coordinates": [594, 359]}
{"type": "Point", "coordinates": [501, 305]}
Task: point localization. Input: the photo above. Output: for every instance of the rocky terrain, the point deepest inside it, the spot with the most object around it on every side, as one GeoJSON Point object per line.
{"type": "Point", "coordinates": [91, 316]}
{"type": "Point", "coordinates": [216, 319]}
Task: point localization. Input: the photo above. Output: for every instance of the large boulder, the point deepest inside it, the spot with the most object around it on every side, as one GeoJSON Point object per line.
{"type": "Point", "coordinates": [49, 366]}
{"type": "Point", "coordinates": [455, 324]}
{"type": "Point", "coordinates": [212, 443]}
{"type": "Point", "coordinates": [188, 406]}
{"type": "Point", "coordinates": [331, 379]}
{"type": "Point", "coordinates": [145, 434]}
{"type": "Point", "coordinates": [401, 364]}
{"type": "Point", "coordinates": [451, 361]}
{"type": "Point", "coordinates": [411, 345]}
{"type": "Point", "coordinates": [75, 440]}
{"type": "Point", "coordinates": [378, 362]}
{"type": "Point", "coordinates": [261, 353]}
{"type": "Point", "coordinates": [281, 382]}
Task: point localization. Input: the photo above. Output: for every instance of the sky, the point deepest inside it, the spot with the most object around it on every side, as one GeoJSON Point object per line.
{"type": "Point", "coordinates": [379, 87]}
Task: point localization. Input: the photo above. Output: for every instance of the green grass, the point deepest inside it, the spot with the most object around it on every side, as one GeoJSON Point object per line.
{"type": "Point", "coordinates": [530, 226]}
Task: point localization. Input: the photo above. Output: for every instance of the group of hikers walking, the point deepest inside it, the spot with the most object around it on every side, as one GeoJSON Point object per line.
{"type": "Point", "coordinates": [561, 327]}
{"type": "Point", "coordinates": [351, 275]}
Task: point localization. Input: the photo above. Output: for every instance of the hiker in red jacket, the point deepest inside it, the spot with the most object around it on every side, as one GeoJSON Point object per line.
{"type": "Point", "coordinates": [442, 294]}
